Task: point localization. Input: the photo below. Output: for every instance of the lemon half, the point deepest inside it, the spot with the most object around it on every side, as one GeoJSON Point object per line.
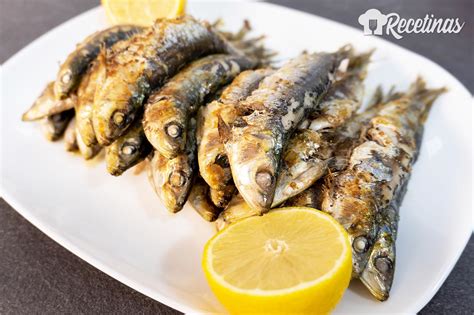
{"type": "Point", "coordinates": [291, 260]}
{"type": "Point", "coordinates": [141, 12]}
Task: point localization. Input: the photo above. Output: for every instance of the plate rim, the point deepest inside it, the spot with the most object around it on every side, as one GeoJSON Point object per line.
{"type": "Point", "coordinates": [71, 247]}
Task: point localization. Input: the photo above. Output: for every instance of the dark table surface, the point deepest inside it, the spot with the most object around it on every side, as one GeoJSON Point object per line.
{"type": "Point", "coordinates": [39, 276]}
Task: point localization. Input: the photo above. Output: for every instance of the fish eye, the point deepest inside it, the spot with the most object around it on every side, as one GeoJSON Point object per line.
{"type": "Point", "coordinates": [177, 179]}
{"type": "Point", "coordinates": [128, 149]}
{"type": "Point", "coordinates": [222, 160]}
{"type": "Point", "coordinates": [360, 244]}
{"type": "Point", "coordinates": [66, 77]}
{"type": "Point", "coordinates": [118, 118]}
{"type": "Point", "coordinates": [383, 264]}
{"type": "Point", "coordinates": [264, 179]}
{"type": "Point", "coordinates": [56, 118]}
{"type": "Point", "coordinates": [173, 130]}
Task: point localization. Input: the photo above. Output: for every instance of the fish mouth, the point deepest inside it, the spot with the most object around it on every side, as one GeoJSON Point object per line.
{"type": "Point", "coordinates": [378, 283]}
{"type": "Point", "coordinates": [257, 188]}
{"type": "Point", "coordinates": [377, 286]}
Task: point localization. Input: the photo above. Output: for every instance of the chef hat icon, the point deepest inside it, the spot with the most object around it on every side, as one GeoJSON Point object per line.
{"type": "Point", "coordinates": [374, 15]}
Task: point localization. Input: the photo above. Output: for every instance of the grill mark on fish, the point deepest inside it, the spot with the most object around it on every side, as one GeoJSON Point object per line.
{"type": "Point", "coordinates": [357, 195]}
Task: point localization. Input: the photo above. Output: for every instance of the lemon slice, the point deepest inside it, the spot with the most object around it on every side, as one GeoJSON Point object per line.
{"type": "Point", "coordinates": [291, 260]}
{"type": "Point", "coordinates": [141, 12]}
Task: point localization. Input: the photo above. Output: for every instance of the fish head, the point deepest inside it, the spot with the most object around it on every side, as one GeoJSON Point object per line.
{"type": "Point", "coordinates": [378, 273]}
{"type": "Point", "coordinates": [115, 108]}
{"type": "Point", "coordinates": [305, 160]}
{"type": "Point", "coordinates": [356, 215]}
{"type": "Point", "coordinates": [125, 152]}
{"type": "Point", "coordinates": [66, 81]}
{"type": "Point", "coordinates": [172, 179]}
{"type": "Point", "coordinates": [253, 154]}
{"type": "Point", "coordinates": [165, 125]}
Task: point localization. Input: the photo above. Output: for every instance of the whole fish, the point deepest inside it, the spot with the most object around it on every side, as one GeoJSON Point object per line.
{"type": "Point", "coordinates": [47, 105]}
{"type": "Point", "coordinates": [128, 150]}
{"type": "Point", "coordinates": [376, 170]}
{"type": "Point", "coordinates": [70, 141]}
{"type": "Point", "coordinates": [398, 128]}
{"type": "Point", "coordinates": [76, 64]}
{"type": "Point", "coordinates": [213, 163]}
{"type": "Point", "coordinates": [148, 61]}
{"type": "Point", "coordinates": [255, 143]}
{"type": "Point", "coordinates": [54, 126]}
{"type": "Point", "coordinates": [309, 150]}
{"type": "Point", "coordinates": [85, 99]}
{"type": "Point", "coordinates": [168, 110]}
{"type": "Point", "coordinates": [200, 201]}
{"type": "Point", "coordinates": [172, 179]}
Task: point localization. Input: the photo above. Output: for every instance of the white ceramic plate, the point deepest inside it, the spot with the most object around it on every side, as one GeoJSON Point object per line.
{"type": "Point", "coordinates": [119, 225]}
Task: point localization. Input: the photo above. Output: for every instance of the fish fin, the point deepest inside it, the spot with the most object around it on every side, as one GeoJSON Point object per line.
{"type": "Point", "coordinates": [421, 93]}
{"type": "Point", "coordinates": [345, 52]}
{"type": "Point", "coordinates": [360, 61]}
{"type": "Point", "coordinates": [376, 98]}
{"type": "Point", "coordinates": [225, 131]}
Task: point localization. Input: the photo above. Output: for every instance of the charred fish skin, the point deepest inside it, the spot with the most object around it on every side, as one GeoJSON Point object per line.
{"type": "Point", "coordinates": [128, 150]}
{"type": "Point", "coordinates": [47, 105]}
{"type": "Point", "coordinates": [343, 140]}
{"type": "Point", "coordinates": [398, 129]}
{"type": "Point", "coordinates": [213, 162]}
{"type": "Point", "coordinates": [200, 200]}
{"type": "Point", "coordinates": [54, 126]}
{"type": "Point", "coordinates": [309, 151]}
{"type": "Point", "coordinates": [85, 99]}
{"type": "Point", "coordinates": [77, 62]}
{"type": "Point", "coordinates": [148, 61]}
{"type": "Point", "coordinates": [305, 160]}
{"type": "Point", "coordinates": [168, 110]}
{"type": "Point", "coordinates": [377, 169]}
{"type": "Point", "coordinates": [345, 96]}
{"type": "Point", "coordinates": [172, 179]}
{"type": "Point", "coordinates": [281, 102]}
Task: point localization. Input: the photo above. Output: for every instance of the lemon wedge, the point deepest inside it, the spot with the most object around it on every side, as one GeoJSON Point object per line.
{"type": "Point", "coordinates": [141, 12]}
{"type": "Point", "coordinates": [289, 261]}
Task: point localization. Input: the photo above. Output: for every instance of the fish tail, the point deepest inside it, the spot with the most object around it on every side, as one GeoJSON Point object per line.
{"type": "Point", "coordinates": [360, 61]}
{"type": "Point", "coordinates": [345, 52]}
{"type": "Point", "coordinates": [419, 92]}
